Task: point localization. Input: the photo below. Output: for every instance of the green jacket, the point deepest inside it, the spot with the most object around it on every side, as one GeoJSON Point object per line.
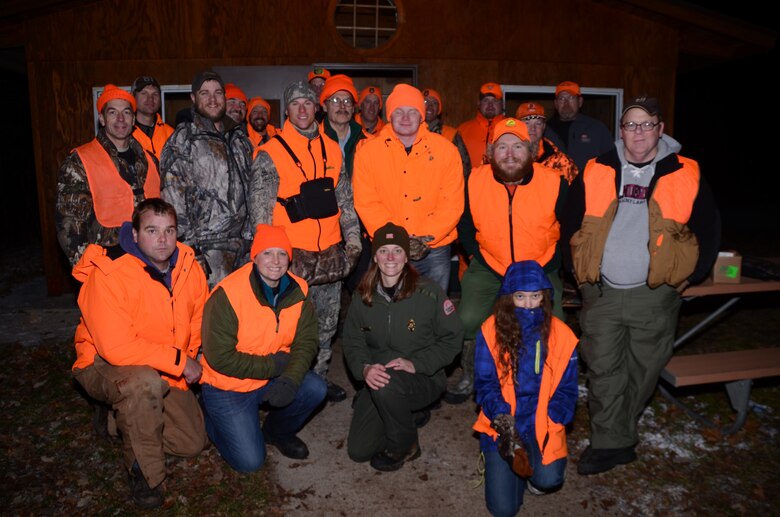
{"type": "Point", "coordinates": [220, 331]}
{"type": "Point", "coordinates": [355, 136]}
{"type": "Point", "coordinates": [423, 328]}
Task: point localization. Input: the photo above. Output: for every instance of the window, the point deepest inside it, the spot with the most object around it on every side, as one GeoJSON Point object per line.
{"type": "Point", "coordinates": [365, 24]}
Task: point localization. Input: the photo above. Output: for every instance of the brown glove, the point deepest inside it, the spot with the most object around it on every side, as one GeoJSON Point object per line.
{"type": "Point", "coordinates": [510, 446]}
{"type": "Point", "coordinates": [418, 247]}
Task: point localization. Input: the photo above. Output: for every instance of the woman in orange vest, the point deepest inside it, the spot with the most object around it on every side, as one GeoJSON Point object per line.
{"type": "Point", "coordinates": [525, 379]}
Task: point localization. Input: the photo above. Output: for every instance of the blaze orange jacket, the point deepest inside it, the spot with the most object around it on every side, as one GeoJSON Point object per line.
{"type": "Point", "coordinates": [261, 331]}
{"type": "Point", "coordinates": [129, 318]}
{"type": "Point", "coordinates": [309, 234]}
{"type": "Point", "coordinates": [550, 435]}
{"type": "Point", "coordinates": [154, 145]}
{"type": "Point", "coordinates": [256, 138]}
{"type": "Point", "coordinates": [475, 134]}
{"type": "Point", "coordinates": [421, 191]}
{"type": "Point", "coordinates": [112, 197]}
{"type": "Point", "coordinates": [515, 226]}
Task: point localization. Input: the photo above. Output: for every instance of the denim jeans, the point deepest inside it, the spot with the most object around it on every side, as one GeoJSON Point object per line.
{"type": "Point", "coordinates": [233, 422]}
{"type": "Point", "coordinates": [436, 266]}
{"type": "Point", "coordinates": [504, 489]}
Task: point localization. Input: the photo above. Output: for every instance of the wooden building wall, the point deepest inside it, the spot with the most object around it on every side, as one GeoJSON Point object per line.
{"type": "Point", "coordinates": [457, 45]}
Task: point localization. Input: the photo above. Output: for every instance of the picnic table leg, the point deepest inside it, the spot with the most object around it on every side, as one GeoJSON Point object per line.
{"type": "Point", "coordinates": [739, 395]}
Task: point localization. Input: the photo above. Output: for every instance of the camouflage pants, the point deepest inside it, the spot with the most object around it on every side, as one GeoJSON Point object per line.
{"type": "Point", "coordinates": [326, 299]}
{"type": "Point", "coordinates": [220, 258]}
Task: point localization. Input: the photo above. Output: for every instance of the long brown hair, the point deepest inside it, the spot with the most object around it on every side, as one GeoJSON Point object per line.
{"type": "Point", "coordinates": [372, 277]}
{"type": "Point", "coordinates": [509, 335]}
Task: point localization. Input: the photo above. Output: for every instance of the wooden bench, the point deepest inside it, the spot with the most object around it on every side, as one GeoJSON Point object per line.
{"type": "Point", "coordinates": [736, 369]}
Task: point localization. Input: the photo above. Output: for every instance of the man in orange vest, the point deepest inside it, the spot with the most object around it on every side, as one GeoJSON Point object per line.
{"type": "Point", "coordinates": [100, 182]}
{"type": "Point", "coordinates": [298, 181]}
{"type": "Point", "coordinates": [150, 130]}
{"type": "Point", "coordinates": [490, 110]}
{"type": "Point", "coordinates": [137, 343]}
{"type": "Point", "coordinates": [512, 211]}
{"type": "Point", "coordinates": [257, 117]}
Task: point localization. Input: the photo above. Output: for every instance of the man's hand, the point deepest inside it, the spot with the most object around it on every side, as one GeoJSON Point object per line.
{"type": "Point", "coordinates": [418, 246]}
{"type": "Point", "coordinates": [375, 376]}
{"type": "Point", "coordinates": [192, 371]}
{"type": "Point", "coordinates": [399, 363]}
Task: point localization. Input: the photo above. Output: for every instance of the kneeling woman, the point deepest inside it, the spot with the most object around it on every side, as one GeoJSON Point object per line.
{"type": "Point", "coordinates": [525, 379]}
{"type": "Point", "coordinates": [400, 333]}
{"type": "Point", "coordinates": [259, 338]}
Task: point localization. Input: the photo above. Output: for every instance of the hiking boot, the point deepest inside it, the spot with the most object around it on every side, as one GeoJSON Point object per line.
{"type": "Point", "coordinates": [335, 393]}
{"type": "Point", "coordinates": [143, 496]}
{"type": "Point", "coordinates": [461, 392]}
{"type": "Point", "coordinates": [596, 461]}
{"type": "Point", "coordinates": [290, 446]}
{"type": "Point", "coordinates": [421, 417]}
{"type": "Point", "coordinates": [388, 462]}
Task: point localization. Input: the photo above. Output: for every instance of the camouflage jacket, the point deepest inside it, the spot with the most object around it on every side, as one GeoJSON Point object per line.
{"type": "Point", "coordinates": [204, 174]}
{"type": "Point", "coordinates": [75, 218]}
{"type": "Point", "coordinates": [552, 157]}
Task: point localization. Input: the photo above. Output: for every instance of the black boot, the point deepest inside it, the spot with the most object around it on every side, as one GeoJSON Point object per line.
{"type": "Point", "coordinates": [143, 496]}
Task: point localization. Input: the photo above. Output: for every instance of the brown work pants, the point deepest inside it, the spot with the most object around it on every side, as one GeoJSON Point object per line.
{"type": "Point", "coordinates": [152, 418]}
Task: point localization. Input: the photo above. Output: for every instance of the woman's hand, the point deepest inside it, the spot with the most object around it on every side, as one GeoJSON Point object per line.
{"type": "Point", "coordinates": [375, 376]}
{"type": "Point", "coordinates": [402, 364]}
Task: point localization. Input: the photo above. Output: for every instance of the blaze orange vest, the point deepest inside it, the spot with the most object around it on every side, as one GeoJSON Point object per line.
{"type": "Point", "coordinates": [520, 227]}
{"type": "Point", "coordinates": [256, 138]}
{"type": "Point", "coordinates": [154, 145]}
{"type": "Point", "coordinates": [550, 435]}
{"type": "Point", "coordinates": [309, 234]}
{"type": "Point", "coordinates": [259, 331]}
{"type": "Point", "coordinates": [113, 199]}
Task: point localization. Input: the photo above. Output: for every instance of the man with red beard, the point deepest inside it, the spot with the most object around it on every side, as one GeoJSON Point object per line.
{"type": "Point", "coordinates": [205, 168]}
{"type": "Point", "coordinates": [512, 211]}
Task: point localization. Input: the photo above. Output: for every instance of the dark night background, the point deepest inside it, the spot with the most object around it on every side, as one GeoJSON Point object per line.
{"type": "Point", "coordinates": [726, 118]}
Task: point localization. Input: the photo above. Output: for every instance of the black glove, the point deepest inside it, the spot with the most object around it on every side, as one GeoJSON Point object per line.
{"type": "Point", "coordinates": [280, 362]}
{"type": "Point", "coordinates": [510, 446]}
{"type": "Point", "coordinates": [281, 392]}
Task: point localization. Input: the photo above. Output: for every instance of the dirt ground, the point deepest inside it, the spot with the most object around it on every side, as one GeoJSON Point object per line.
{"type": "Point", "coordinates": [51, 463]}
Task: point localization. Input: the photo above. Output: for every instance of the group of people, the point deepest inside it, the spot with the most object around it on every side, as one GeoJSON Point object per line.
{"type": "Point", "coordinates": [213, 255]}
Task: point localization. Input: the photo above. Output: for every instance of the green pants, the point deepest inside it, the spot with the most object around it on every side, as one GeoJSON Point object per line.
{"type": "Point", "coordinates": [382, 419]}
{"type": "Point", "coordinates": [627, 339]}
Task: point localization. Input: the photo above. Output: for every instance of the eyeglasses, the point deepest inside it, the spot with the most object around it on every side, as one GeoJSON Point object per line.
{"type": "Point", "coordinates": [632, 127]}
{"type": "Point", "coordinates": [335, 101]}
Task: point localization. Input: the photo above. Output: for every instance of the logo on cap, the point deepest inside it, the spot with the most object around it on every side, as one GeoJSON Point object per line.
{"type": "Point", "coordinates": [511, 123]}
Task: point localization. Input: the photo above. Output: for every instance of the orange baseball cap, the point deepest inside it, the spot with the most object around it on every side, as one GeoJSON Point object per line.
{"type": "Point", "coordinates": [234, 92]}
{"type": "Point", "coordinates": [493, 89]}
{"type": "Point", "coordinates": [510, 125]}
{"type": "Point", "coordinates": [430, 92]}
{"type": "Point", "coordinates": [267, 236]}
{"type": "Point", "coordinates": [530, 110]}
{"type": "Point", "coordinates": [370, 90]}
{"type": "Point", "coordinates": [319, 72]}
{"type": "Point", "coordinates": [336, 83]}
{"type": "Point", "coordinates": [568, 87]}
{"type": "Point", "coordinates": [111, 92]}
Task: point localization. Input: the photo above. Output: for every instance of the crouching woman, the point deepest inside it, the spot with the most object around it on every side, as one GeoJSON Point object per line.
{"type": "Point", "coordinates": [259, 338]}
{"type": "Point", "coordinates": [525, 379]}
{"type": "Point", "coordinates": [400, 333]}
